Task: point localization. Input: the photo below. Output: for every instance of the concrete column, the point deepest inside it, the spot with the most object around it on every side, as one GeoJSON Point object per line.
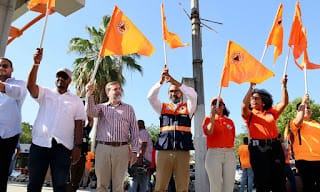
{"type": "Point", "coordinates": [201, 182]}
{"type": "Point", "coordinates": [6, 13]}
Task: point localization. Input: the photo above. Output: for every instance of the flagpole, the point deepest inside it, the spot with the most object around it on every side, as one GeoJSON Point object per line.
{"type": "Point", "coordinates": [96, 65]}
{"type": "Point", "coordinates": [165, 54]}
{"type": "Point", "coordinates": [45, 23]}
{"type": "Point", "coordinates": [286, 63]}
{"type": "Point", "coordinates": [305, 77]}
{"type": "Point", "coordinates": [263, 53]}
{"type": "Point", "coordinates": [219, 96]}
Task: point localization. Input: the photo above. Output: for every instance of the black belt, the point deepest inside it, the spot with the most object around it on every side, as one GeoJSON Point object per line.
{"type": "Point", "coordinates": [114, 144]}
{"type": "Point", "coordinates": [263, 141]}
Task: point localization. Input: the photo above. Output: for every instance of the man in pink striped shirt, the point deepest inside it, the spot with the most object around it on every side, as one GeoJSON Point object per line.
{"type": "Point", "coordinates": [116, 120]}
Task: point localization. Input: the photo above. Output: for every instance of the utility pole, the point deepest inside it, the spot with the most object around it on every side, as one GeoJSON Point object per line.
{"type": "Point", "coordinates": [201, 182]}
{"type": "Point", "coordinates": [7, 8]}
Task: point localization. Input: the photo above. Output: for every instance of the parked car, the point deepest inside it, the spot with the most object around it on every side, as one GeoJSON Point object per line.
{"type": "Point", "coordinates": [238, 175]}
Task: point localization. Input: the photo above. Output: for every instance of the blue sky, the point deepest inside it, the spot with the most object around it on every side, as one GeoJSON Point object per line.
{"type": "Point", "coordinates": [245, 22]}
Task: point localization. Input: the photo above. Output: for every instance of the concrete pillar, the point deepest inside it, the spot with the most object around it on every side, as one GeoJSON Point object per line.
{"type": "Point", "coordinates": [201, 182]}
{"type": "Point", "coordinates": [6, 13]}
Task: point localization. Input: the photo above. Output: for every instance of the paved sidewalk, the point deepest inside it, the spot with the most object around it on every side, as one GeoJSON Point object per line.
{"type": "Point", "coordinates": [22, 187]}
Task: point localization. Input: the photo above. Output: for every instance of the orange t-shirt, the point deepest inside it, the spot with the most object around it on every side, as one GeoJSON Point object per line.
{"type": "Point", "coordinates": [223, 134]}
{"type": "Point", "coordinates": [263, 124]}
{"type": "Point", "coordinates": [309, 149]}
{"type": "Point", "coordinates": [244, 156]}
{"type": "Point", "coordinates": [89, 157]}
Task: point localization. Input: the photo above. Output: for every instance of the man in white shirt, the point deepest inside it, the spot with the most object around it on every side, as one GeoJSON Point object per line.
{"type": "Point", "coordinates": [12, 96]}
{"type": "Point", "coordinates": [57, 130]}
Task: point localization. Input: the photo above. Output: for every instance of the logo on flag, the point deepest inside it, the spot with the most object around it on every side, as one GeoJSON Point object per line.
{"type": "Point", "coordinates": [237, 57]}
{"type": "Point", "coordinates": [122, 27]}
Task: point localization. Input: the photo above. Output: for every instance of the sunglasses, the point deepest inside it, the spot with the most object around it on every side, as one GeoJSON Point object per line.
{"type": "Point", "coordinates": [220, 104]}
{"type": "Point", "coordinates": [62, 75]}
{"type": "Point", "coordinates": [173, 91]}
{"type": "Point", "coordinates": [5, 66]}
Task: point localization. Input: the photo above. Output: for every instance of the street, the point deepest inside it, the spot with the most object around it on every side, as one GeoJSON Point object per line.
{"type": "Point", "coordinates": [22, 186]}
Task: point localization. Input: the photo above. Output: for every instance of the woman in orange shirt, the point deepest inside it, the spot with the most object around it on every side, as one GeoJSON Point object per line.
{"type": "Point", "coordinates": [220, 160]}
{"type": "Point", "coordinates": [266, 155]}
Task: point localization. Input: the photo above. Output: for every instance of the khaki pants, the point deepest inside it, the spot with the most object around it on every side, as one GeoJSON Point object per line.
{"type": "Point", "coordinates": [220, 164]}
{"type": "Point", "coordinates": [174, 163]}
{"type": "Point", "coordinates": [111, 163]}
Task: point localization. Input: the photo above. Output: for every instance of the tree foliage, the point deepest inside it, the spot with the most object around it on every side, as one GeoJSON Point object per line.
{"type": "Point", "coordinates": [26, 135]}
{"type": "Point", "coordinates": [110, 68]}
{"type": "Point", "coordinates": [154, 132]}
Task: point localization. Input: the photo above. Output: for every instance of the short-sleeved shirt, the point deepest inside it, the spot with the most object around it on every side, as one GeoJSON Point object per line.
{"type": "Point", "coordinates": [262, 124]}
{"type": "Point", "coordinates": [56, 118]}
{"type": "Point", "coordinates": [244, 156]}
{"type": "Point", "coordinates": [144, 136]}
{"type": "Point", "coordinates": [309, 149]}
{"type": "Point", "coordinates": [223, 134]}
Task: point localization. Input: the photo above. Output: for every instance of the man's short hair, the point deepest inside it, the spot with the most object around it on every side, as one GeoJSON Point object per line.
{"type": "Point", "coordinates": [4, 58]}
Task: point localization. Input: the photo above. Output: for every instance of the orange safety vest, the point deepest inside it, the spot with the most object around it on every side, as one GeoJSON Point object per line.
{"type": "Point", "coordinates": [175, 128]}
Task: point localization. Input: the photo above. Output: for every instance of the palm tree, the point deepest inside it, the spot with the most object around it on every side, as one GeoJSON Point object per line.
{"type": "Point", "coordinates": [110, 67]}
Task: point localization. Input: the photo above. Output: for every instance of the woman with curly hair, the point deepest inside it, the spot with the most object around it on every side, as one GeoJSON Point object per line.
{"type": "Point", "coordinates": [266, 155]}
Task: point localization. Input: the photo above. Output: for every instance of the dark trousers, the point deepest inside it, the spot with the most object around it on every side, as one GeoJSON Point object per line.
{"type": "Point", "coordinates": [291, 178]}
{"type": "Point", "coordinates": [76, 173]}
{"type": "Point", "coordinates": [58, 157]}
{"type": "Point", "coordinates": [7, 147]}
{"type": "Point", "coordinates": [267, 163]}
{"type": "Point", "coordinates": [310, 174]}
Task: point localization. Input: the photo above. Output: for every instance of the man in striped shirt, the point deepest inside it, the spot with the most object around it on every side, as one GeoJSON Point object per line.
{"type": "Point", "coordinates": [115, 121]}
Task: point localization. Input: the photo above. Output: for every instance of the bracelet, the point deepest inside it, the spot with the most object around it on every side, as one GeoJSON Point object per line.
{"type": "Point", "coordinates": [36, 64]}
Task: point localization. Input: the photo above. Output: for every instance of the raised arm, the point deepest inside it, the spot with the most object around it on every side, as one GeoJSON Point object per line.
{"type": "Point", "coordinates": [246, 102]}
{"type": "Point", "coordinates": [301, 110]}
{"type": "Point", "coordinates": [285, 98]}
{"type": "Point", "coordinates": [154, 92]}
{"type": "Point", "coordinates": [32, 77]}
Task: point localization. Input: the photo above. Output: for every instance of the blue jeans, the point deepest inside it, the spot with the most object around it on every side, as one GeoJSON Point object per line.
{"type": "Point", "coordinates": [58, 157]}
{"type": "Point", "coordinates": [141, 181]}
{"type": "Point", "coordinates": [247, 178]}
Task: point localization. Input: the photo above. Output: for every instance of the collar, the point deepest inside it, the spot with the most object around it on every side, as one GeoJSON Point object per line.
{"type": "Point", "coordinates": [56, 91]}
{"type": "Point", "coordinates": [109, 104]}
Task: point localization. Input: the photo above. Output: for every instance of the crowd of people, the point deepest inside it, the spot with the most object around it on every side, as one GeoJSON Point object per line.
{"type": "Point", "coordinates": [60, 137]}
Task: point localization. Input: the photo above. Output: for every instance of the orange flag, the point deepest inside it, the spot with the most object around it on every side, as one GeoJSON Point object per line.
{"type": "Point", "coordinates": [240, 67]}
{"type": "Point", "coordinates": [172, 39]}
{"type": "Point", "coordinates": [276, 34]}
{"type": "Point", "coordinates": [305, 61]}
{"type": "Point", "coordinates": [41, 5]}
{"type": "Point", "coordinates": [123, 37]}
{"type": "Point", "coordinates": [297, 37]}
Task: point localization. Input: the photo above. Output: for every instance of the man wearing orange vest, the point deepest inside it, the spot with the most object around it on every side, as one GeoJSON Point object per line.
{"type": "Point", "coordinates": [175, 139]}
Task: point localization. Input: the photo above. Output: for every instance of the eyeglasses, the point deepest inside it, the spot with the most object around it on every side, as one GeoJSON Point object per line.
{"type": "Point", "coordinates": [62, 75]}
{"type": "Point", "coordinates": [220, 104]}
{"type": "Point", "coordinates": [174, 91]}
{"type": "Point", "coordinates": [5, 66]}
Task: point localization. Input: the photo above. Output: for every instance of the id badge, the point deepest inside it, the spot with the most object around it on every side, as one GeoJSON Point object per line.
{"type": "Point", "coordinates": [255, 142]}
